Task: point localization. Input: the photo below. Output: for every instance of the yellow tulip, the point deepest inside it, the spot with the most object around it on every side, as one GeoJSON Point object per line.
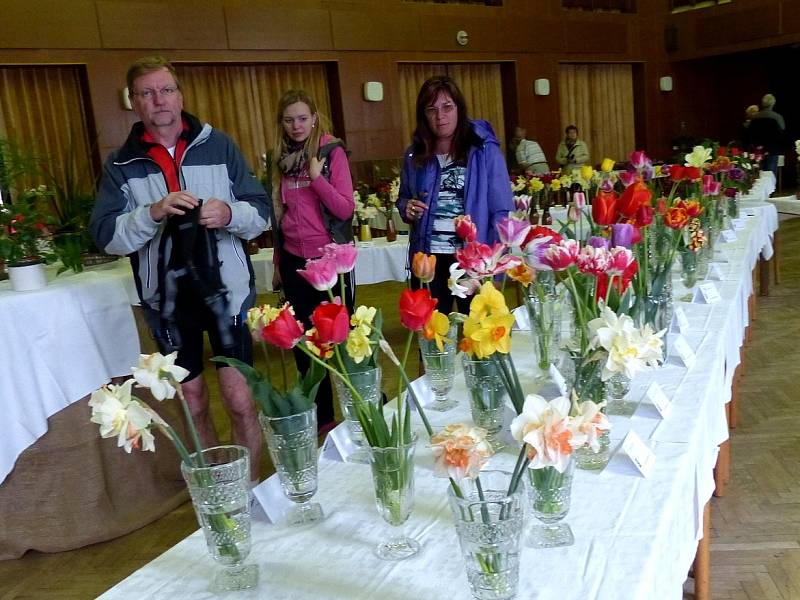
{"type": "Point", "coordinates": [608, 165]}
{"type": "Point", "coordinates": [586, 172]}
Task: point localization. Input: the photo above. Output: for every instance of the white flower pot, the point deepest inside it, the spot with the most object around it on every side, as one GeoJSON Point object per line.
{"type": "Point", "coordinates": [25, 278]}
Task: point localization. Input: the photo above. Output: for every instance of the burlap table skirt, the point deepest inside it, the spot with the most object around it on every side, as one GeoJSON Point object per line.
{"type": "Point", "coordinates": [72, 488]}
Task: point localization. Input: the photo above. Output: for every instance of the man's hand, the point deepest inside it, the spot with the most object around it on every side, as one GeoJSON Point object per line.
{"type": "Point", "coordinates": [215, 214]}
{"type": "Point", "coordinates": [175, 203]}
{"type": "Point", "coordinates": [315, 167]}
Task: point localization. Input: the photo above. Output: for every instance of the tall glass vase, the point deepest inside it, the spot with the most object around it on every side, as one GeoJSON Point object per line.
{"type": "Point", "coordinates": [489, 521]}
{"type": "Point", "coordinates": [368, 385]}
{"type": "Point", "coordinates": [656, 310]}
{"type": "Point", "coordinates": [292, 445]}
{"type": "Point", "coordinates": [584, 378]}
{"type": "Point", "coordinates": [544, 316]}
{"type": "Point", "coordinates": [487, 396]}
{"type": "Point", "coordinates": [440, 369]}
{"type": "Point", "coordinates": [220, 497]}
{"type": "Point", "coordinates": [393, 480]}
{"type": "Point", "coordinates": [550, 493]}
{"type": "Point", "coordinates": [689, 267]}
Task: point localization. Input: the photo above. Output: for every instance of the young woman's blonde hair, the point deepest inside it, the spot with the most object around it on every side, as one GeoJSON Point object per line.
{"type": "Point", "coordinates": [311, 145]}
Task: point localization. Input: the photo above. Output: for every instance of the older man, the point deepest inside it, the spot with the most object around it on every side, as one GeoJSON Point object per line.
{"type": "Point", "coordinates": [179, 199]}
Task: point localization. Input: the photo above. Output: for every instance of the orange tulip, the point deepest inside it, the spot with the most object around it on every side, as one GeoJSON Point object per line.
{"type": "Point", "coordinates": [635, 196]}
{"type": "Point", "coordinates": [423, 266]}
{"type": "Point", "coordinates": [604, 208]}
{"type": "Point", "coordinates": [676, 217]}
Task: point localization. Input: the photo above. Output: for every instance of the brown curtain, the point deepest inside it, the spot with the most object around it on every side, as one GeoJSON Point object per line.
{"type": "Point", "coordinates": [241, 100]}
{"type": "Point", "coordinates": [43, 110]}
{"type": "Point", "coordinates": [480, 82]}
{"type": "Point", "coordinates": [598, 99]}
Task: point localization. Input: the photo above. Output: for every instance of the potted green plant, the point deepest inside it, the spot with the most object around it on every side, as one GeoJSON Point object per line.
{"type": "Point", "coordinates": [25, 239]}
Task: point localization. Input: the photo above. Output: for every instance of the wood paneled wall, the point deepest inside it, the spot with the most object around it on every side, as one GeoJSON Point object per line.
{"type": "Point", "coordinates": [365, 39]}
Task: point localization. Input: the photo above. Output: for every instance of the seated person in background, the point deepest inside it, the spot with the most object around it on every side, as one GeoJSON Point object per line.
{"type": "Point", "coordinates": [529, 154]}
{"type": "Point", "coordinates": [572, 153]}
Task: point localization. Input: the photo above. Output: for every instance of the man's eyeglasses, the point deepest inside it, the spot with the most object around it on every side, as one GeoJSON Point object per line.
{"type": "Point", "coordinates": [446, 109]}
{"type": "Point", "coordinates": [166, 92]}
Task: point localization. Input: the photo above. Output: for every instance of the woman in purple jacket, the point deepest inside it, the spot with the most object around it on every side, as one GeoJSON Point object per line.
{"type": "Point", "coordinates": [453, 167]}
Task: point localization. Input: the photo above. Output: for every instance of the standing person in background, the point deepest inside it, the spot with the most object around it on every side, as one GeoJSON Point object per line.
{"type": "Point", "coordinates": [572, 152]}
{"type": "Point", "coordinates": [179, 199]}
{"type": "Point", "coordinates": [453, 167]}
{"type": "Point", "coordinates": [766, 131]}
{"type": "Point", "coordinates": [529, 154]}
{"type": "Point", "coordinates": [312, 198]}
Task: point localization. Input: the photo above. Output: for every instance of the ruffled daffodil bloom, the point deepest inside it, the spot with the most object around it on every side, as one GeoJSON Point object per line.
{"type": "Point", "coordinates": [159, 373]}
{"type": "Point", "coordinates": [363, 317]}
{"type": "Point", "coordinates": [358, 346]}
{"type": "Point", "coordinates": [459, 451]}
{"type": "Point", "coordinates": [548, 430]}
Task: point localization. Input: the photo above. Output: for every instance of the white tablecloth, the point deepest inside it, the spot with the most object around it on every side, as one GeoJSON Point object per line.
{"type": "Point", "coordinates": [635, 538]}
{"type": "Point", "coordinates": [58, 344]}
{"type": "Point", "coordinates": [789, 205]}
{"type": "Point", "coordinates": [377, 261]}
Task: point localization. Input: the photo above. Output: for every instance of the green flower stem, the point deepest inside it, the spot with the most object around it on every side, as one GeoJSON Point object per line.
{"type": "Point", "coordinates": [330, 295]}
{"type": "Point", "coordinates": [172, 436]}
{"type": "Point", "coordinates": [341, 287]}
{"type": "Point", "coordinates": [400, 401]}
{"type": "Point", "coordinates": [283, 369]}
{"type": "Point", "coordinates": [508, 381]}
{"type": "Point", "coordinates": [411, 394]}
{"type": "Point", "coordinates": [189, 421]}
{"type": "Point", "coordinates": [266, 358]}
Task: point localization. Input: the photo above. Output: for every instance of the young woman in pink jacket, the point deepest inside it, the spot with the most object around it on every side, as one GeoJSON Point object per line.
{"type": "Point", "coordinates": [312, 197]}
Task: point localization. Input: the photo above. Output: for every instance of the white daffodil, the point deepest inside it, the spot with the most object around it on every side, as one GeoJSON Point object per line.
{"type": "Point", "coordinates": [548, 431]}
{"type": "Point", "coordinates": [698, 157]}
{"type": "Point", "coordinates": [136, 433]}
{"type": "Point", "coordinates": [590, 421]}
{"type": "Point", "coordinates": [158, 373]}
{"type": "Point", "coordinates": [629, 349]}
{"type": "Point", "coordinates": [460, 284]}
{"type": "Point", "coordinates": [109, 407]}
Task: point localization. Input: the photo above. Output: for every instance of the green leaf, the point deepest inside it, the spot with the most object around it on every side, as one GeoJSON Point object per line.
{"type": "Point", "coordinates": [310, 383]}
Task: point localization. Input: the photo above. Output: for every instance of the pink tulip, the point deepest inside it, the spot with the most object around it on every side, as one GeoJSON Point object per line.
{"type": "Point", "coordinates": [628, 177]}
{"type": "Point", "coordinates": [512, 232]}
{"type": "Point", "coordinates": [593, 260]}
{"type": "Point", "coordinates": [620, 258]}
{"type": "Point", "coordinates": [320, 273]}
{"type": "Point", "coordinates": [580, 199]}
{"type": "Point", "coordinates": [466, 229]}
{"type": "Point", "coordinates": [522, 203]}
{"type": "Point", "coordinates": [562, 255]}
{"type": "Point", "coordinates": [342, 255]}
{"type": "Point", "coordinates": [711, 187]}
{"type": "Point", "coordinates": [639, 159]}
{"type": "Point", "coordinates": [480, 260]}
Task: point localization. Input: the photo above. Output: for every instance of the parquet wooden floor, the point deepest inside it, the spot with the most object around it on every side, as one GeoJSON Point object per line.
{"type": "Point", "coordinates": [755, 549]}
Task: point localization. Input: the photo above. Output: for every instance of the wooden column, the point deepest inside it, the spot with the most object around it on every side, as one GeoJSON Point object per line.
{"type": "Point", "coordinates": [702, 560]}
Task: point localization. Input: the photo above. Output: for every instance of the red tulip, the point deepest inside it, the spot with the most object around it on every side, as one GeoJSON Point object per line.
{"type": "Point", "coordinates": [331, 322]}
{"type": "Point", "coordinates": [634, 196]}
{"type": "Point", "coordinates": [416, 307]}
{"type": "Point", "coordinates": [644, 216]}
{"type": "Point", "coordinates": [692, 173]}
{"type": "Point", "coordinates": [677, 172]}
{"type": "Point", "coordinates": [604, 207]}
{"type": "Point", "coordinates": [538, 232]}
{"type": "Point", "coordinates": [284, 331]}
{"type": "Point", "coordinates": [466, 229]}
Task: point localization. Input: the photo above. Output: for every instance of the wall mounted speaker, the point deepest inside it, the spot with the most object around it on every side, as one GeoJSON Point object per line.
{"type": "Point", "coordinates": [541, 87]}
{"type": "Point", "coordinates": [373, 91]}
{"type": "Point", "coordinates": [665, 84]}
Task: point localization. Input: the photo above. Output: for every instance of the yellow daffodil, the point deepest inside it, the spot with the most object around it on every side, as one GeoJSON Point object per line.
{"type": "Point", "coordinates": [362, 318]}
{"type": "Point", "coordinates": [586, 172]}
{"type": "Point", "coordinates": [489, 335]}
{"type": "Point", "coordinates": [436, 329]}
{"type": "Point", "coordinates": [488, 301]}
{"type": "Point", "coordinates": [607, 165]}
{"type": "Point", "coordinates": [535, 185]}
{"type": "Point", "coordinates": [565, 181]}
{"type": "Point", "coordinates": [555, 185]}
{"type": "Point", "coordinates": [357, 345]}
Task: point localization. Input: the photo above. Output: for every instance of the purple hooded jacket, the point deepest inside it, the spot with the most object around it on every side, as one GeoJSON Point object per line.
{"type": "Point", "coordinates": [487, 190]}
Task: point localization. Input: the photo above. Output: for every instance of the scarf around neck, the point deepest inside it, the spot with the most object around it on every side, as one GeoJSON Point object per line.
{"type": "Point", "coordinates": [294, 158]}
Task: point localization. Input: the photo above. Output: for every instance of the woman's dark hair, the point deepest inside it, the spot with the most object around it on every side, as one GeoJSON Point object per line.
{"type": "Point", "coordinates": [570, 128]}
{"type": "Point", "coordinates": [424, 141]}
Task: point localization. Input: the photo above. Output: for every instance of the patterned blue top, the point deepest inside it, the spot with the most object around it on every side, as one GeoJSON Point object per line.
{"type": "Point", "coordinates": [449, 205]}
